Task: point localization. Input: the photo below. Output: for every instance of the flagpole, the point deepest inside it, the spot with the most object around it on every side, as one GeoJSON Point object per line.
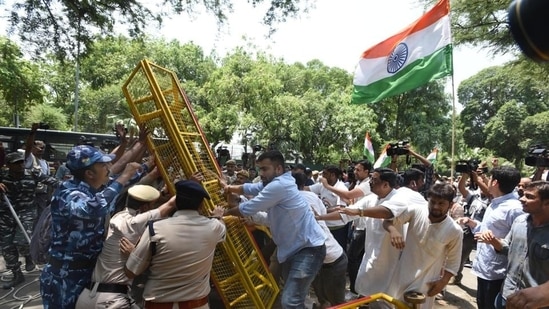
{"type": "Point", "coordinates": [452, 162]}
{"type": "Point", "coordinates": [452, 165]}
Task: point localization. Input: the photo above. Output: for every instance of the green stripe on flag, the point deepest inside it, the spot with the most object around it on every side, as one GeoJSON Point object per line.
{"type": "Point", "coordinates": [415, 74]}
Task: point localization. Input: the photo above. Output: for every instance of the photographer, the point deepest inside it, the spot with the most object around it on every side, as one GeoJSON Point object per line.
{"type": "Point", "coordinates": [474, 208]}
{"type": "Point", "coordinates": [404, 148]}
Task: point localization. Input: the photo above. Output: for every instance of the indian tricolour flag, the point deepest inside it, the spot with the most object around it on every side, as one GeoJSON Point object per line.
{"type": "Point", "coordinates": [415, 56]}
{"type": "Point", "coordinates": [383, 160]}
{"type": "Point", "coordinates": [368, 148]}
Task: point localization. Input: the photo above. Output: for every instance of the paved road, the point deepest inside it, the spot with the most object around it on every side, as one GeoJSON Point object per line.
{"type": "Point", "coordinates": [461, 296]}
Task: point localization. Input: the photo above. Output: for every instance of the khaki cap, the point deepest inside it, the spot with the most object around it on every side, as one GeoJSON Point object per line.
{"type": "Point", "coordinates": [144, 193]}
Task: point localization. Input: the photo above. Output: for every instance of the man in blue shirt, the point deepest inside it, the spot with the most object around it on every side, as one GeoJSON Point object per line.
{"type": "Point", "coordinates": [278, 204]}
{"type": "Point", "coordinates": [489, 266]}
{"type": "Point", "coordinates": [527, 248]}
{"type": "Point", "coordinates": [79, 209]}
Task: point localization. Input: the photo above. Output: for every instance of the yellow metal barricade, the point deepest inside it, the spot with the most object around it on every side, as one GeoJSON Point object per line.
{"type": "Point", "coordinates": [157, 101]}
{"type": "Point", "coordinates": [413, 299]}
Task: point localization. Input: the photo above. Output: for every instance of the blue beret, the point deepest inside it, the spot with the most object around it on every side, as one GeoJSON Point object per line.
{"type": "Point", "coordinates": [83, 156]}
{"type": "Point", "coordinates": [190, 189]}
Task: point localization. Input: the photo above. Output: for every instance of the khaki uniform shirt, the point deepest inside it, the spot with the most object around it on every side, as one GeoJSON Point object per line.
{"type": "Point", "coordinates": [180, 268]}
{"type": "Point", "coordinates": [126, 223]}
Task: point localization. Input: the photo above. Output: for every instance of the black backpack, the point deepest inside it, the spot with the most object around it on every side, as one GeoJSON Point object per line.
{"type": "Point", "coordinates": [41, 238]}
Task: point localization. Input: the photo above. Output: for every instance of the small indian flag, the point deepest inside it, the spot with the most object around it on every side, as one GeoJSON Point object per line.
{"type": "Point", "coordinates": [383, 160]}
{"type": "Point", "coordinates": [432, 157]}
{"type": "Point", "coordinates": [368, 148]}
{"type": "Point", "coordinates": [415, 56]}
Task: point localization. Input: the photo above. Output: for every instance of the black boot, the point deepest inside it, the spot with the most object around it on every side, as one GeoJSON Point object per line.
{"type": "Point", "coordinates": [29, 264]}
{"type": "Point", "coordinates": [16, 280]}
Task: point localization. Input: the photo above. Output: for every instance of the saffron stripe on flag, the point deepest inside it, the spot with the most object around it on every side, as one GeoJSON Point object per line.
{"type": "Point", "coordinates": [385, 48]}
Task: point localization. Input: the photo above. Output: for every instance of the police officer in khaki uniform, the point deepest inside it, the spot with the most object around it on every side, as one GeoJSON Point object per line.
{"type": "Point", "coordinates": [179, 252]}
{"type": "Point", "coordinates": [109, 286]}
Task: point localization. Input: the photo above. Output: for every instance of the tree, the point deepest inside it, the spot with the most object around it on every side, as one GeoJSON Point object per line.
{"type": "Point", "coordinates": [45, 113]}
{"type": "Point", "coordinates": [534, 130]}
{"type": "Point", "coordinates": [501, 132]}
{"type": "Point", "coordinates": [482, 23]}
{"type": "Point", "coordinates": [20, 84]}
{"type": "Point", "coordinates": [421, 116]}
{"type": "Point", "coordinates": [72, 25]}
{"type": "Point", "coordinates": [485, 93]}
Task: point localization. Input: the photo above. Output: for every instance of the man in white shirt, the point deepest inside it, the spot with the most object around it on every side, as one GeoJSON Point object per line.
{"type": "Point", "coordinates": [433, 242]}
{"type": "Point", "coordinates": [356, 243]}
{"type": "Point", "coordinates": [377, 267]}
{"type": "Point", "coordinates": [332, 174]}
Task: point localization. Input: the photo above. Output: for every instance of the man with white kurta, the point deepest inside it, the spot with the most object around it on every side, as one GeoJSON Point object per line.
{"type": "Point", "coordinates": [379, 259]}
{"type": "Point", "coordinates": [433, 242]}
{"type": "Point", "coordinates": [109, 286]}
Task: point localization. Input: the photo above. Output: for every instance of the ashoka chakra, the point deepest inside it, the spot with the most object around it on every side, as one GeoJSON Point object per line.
{"type": "Point", "coordinates": [397, 58]}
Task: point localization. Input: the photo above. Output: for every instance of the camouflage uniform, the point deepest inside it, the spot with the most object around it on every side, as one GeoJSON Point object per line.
{"type": "Point", "coordinates": [78, 213]}
{"type": "Point", "coordinates": [78, 224]}
{"type": "Point", "coordinates": [21, 193]}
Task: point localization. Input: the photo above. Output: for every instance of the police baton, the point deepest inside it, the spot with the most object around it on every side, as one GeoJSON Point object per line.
{"type": "Point", "coordinates": [7, 201]}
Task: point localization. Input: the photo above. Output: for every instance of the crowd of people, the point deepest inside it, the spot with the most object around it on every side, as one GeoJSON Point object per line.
{"type": "Point", "coordinates": [120, 240]}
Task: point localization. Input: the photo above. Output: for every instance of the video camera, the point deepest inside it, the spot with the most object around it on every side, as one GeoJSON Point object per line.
{"type": "Point", "coordinates": [537, 156]}
{"type": "Point", "coordinates": [398, 148]}
{"type": "Point", "coordinates": [467, 166]}
{"type": "Point", "coordinates": [258, 148]}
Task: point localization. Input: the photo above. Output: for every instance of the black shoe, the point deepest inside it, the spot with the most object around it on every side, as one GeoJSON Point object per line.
{"type": "Point", "coordinates": [29, 265]}
{"type": "Point", "coordinates": [16, 280]}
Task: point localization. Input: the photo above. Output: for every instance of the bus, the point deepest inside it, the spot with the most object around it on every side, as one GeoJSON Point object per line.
{"type": "Point", "coordinates": [58, 143]}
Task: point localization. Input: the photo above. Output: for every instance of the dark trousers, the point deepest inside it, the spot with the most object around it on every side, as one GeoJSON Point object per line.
{"type": "Point", "coordinates": [487, 290]}
{"type": "Point", "coordinates": [341, 235]}
{"type": "Point", "coordinates": [469, 244]}
{"type": "Point", "coordinates": [11, 242]}
{"type": "Point", "coordinates": [329, 283]}
{"type": "Point", "coordinates": [354, 255]}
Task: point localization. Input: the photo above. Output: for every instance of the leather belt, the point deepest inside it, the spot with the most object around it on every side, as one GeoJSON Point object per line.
{"type": "Point", "coordinates": [78, 264]}
{"type": "Point", "coordinates": [109, 287]}
{"type": "Point", "coordinates": [187, 304]}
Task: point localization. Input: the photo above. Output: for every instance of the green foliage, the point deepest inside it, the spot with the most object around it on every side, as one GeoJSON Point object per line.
{"type": "Point", "coordinates": [48, 114]}
{"type": "Point", "coordinates": [482, 23]}
{"type": "Point", "coordinates": [421, 116]}
{"type": "Point", "coordinates": [501, 132]}
{"type": "Point", "coordinates": [71, 26]}
{"type": "Point", "coordinates": [20, 80]}
{"type": "Point", "coordinates": [534, 130]}
{"type": "Point", "coordinates": [302, 109]}
{"type": "Point", "coordinates": [484, 94]}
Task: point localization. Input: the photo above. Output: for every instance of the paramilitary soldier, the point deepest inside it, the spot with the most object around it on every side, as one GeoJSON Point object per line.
{"type": "Point", "coordinates": [19, 185]}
